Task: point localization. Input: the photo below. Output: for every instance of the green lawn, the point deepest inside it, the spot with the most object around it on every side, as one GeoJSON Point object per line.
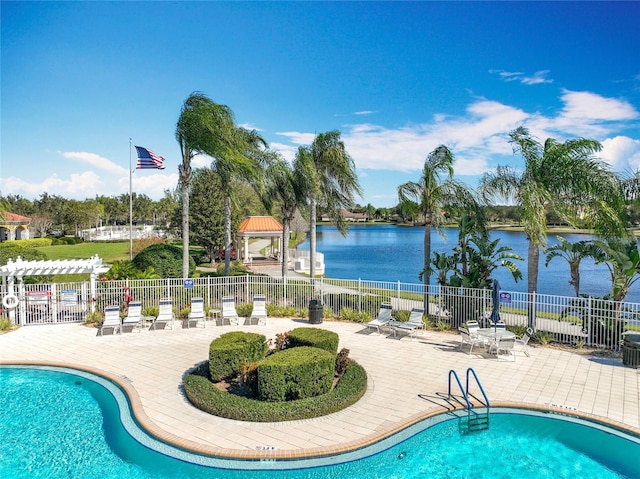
{"type": "Point", "coordinates": [109, 252]}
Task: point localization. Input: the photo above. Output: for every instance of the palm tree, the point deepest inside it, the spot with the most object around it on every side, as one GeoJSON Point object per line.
{"type": "Point", "coordinates": [283, 186]}
{"type": "Point", "coordinates": [328, 175]}
{"type": "Point", "coordinates": [435, 190]}
{"type": "Point", "coordinates": [203, 127]}
{"type": "Point", "coordinates": [561, 176]}
{"type": "Point", "coordinates": [573, 253]}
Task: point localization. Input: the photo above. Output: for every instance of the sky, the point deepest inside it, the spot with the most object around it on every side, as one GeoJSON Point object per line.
{"type": "Point", "coordinates": [80, 79]}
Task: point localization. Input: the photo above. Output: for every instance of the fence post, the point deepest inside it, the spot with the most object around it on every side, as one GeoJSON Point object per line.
{"type": "Point", "coordinates": [359, 295]}
{"type": "Point", "coordinates": [589, 321]}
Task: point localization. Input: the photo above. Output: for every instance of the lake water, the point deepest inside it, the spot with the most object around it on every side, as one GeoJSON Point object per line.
{"type": "Point", "coordinates": [395, 253]}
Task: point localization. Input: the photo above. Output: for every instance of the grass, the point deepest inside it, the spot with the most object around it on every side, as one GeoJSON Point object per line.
{"type": "Point", "coordinates": [109, 252]}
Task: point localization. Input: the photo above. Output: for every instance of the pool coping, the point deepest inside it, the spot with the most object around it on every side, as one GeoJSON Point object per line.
{"type": "Point", "coordinates": [147, 424]}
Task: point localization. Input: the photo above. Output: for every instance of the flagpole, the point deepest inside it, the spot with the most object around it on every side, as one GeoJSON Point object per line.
{"type": "Point", "coordinates": [130, 206]}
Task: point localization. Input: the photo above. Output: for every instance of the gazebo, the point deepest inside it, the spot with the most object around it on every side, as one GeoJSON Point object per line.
{"type": "Point", "coordinates": [46, 299]}
{"type": "Point", "coordinates": [260, 227]}
{"type": "Point", "coordinates": [14, 227]}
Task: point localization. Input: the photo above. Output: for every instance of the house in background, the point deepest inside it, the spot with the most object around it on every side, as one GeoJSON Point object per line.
{"type": "Point", "coordinates": [14, 227]}
{"type": "Point", "coordinates": [349, 216]}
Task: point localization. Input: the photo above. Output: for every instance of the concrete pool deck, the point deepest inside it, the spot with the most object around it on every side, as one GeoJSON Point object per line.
{"type": "Point", "coordinates": [407, 382]}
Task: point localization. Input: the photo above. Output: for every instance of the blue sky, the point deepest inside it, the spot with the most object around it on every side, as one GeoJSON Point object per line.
{"type": "Point", "coordinates": [397, 79]}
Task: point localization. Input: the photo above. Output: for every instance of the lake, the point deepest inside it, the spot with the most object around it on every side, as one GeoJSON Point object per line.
{"type": "Point", "coordinates": [395, 253]}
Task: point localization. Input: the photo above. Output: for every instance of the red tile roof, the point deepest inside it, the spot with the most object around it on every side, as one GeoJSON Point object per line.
{"type": "Point", "coordinates": [14, 217]}
{"type": "Point", "coordinates": [262, 224]}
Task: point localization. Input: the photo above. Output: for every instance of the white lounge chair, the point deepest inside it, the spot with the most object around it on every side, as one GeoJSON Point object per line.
{"type": "Point", "coordinates": [259, 312]}
{"type": "Point", "coordinates": [165, 314]}
{"type": "Point", "coordinates": [197, 312]}
{"type": "Point", "coordinates": [522, 342]}
{"type": "Point", "coordinates": [134, 316]}
{"type": "Point", "coordinates": [111, 320]}
{"type": "Point", "coordinates": [229, 312]}
{"type": "Point", "coordinates": [413, 324]}
{"type": "Point", "coordinates": [382, 321]}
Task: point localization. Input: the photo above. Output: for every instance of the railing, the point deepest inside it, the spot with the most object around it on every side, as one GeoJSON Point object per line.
{"type": "Point", "coordinates": [569, 320]}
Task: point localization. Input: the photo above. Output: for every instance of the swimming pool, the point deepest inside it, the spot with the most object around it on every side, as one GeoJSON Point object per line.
{"type": "Point", "coordinates": [64, 423]}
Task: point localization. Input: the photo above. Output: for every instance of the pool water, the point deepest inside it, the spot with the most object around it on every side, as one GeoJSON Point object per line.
{"type": "Point", "coordinates": [57, 424]}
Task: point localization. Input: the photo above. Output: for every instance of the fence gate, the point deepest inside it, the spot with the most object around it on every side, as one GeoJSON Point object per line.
{"type": "Point", "coordinates": [52, 303]}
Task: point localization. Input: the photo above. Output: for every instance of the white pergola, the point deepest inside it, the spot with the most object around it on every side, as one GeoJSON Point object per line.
{"type": "Point", "coordinates": [18, 269]}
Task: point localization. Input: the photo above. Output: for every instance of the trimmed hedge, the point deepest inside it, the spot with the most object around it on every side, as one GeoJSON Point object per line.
{"type": "Point", "coordinates": [165, 259]}
{"type": "Point", "coordinates": [229, 351]}
{"type": "Point", "coordinates": [295, 373]}
{"type": "Point", "coordinates": [314, 337]}
{"type": "Point", "coordinates": [204, 395]}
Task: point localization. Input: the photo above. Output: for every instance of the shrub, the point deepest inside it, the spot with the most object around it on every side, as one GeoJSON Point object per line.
{"type": "Point", "coordinates": [342, 361]}
{"type": "Point", "coordinates": [203, 394]}
{"type": "Point", "coordinates": [229, 351]}
{"type": "Point", "coordinates": [348, 314]}
{"type": "Point", "coordinates": [244, 310]}
{"type": "Point", "coordinates": [543, 337]}
{"type": "Point", "coordinates": [314, 337]}
{"type": "Point", "coordinates": [165, 259]}
{"type": "Point", "coordinates": [5, 325]}
{"type": "Point", "coordinates": [140, 244]}
{"type": "Point", "coordinates": [33, 243]}
{"type": "Point", "coordinates": [151, 311]}
{"type": "Point", "coordinates": [93, 318]}
{"type": "Point", "coordinates": [295, 373]}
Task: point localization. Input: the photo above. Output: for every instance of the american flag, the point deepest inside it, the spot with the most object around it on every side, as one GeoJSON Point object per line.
{"type": "Point", "coordinates": [148, 159]}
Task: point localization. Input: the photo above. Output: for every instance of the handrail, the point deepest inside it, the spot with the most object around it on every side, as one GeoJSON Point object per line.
{"type": "Point", "coordinates": [464, 394]}
{"type": "Point", "coordinates": [470, 370]}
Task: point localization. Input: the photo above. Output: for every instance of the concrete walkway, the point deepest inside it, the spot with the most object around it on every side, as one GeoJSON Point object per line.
{"type": "Point", "coordinates": [407, 379]}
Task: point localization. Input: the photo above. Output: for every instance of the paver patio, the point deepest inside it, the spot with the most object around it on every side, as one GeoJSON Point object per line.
{"type": "Point", "coordinates": [406, 382]}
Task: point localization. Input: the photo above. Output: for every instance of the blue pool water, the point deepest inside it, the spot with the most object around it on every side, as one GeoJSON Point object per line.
{"type": "Point", "coordinates": [57, 424]}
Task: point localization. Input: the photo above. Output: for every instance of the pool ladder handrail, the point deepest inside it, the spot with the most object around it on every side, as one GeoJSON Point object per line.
{"type": "Point", "coordinates": [475, 421]}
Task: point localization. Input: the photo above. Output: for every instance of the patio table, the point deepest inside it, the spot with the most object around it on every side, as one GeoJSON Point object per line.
{"type": "Point", "coordinates": [494, 335]}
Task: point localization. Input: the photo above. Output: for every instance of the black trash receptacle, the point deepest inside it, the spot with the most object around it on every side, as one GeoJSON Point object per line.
{"type": "Point", "coordinates": [315, 311]}
{"type": "Point", "coordinates": [631, 350]}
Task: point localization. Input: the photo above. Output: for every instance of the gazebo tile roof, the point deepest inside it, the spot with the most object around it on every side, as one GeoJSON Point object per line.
{"type": "Point", "coordinates": [15, 217]}
{"type": "Point", "coordinates": [260, 224]}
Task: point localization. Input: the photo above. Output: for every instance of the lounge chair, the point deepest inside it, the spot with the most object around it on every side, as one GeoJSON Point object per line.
{"type": "Point", "coordinates": [413, 324]}
{"type": "Point", "coordinates": [382, 321]}
{"type": "Point", "coordinates": [472, 340]}
{"type": "Point", "coordinates": [197, 312]}
{"type": "Point", "coordinates": [111, 320]}
{"type": "Point", "coordinates": [259, 312]}
{"type": "Point", "coordinates": [134, 316]}
{"type": "Point", "coordinates": [504, 345]}
{"type": "Point", "coordinates": [165, 314]}
{"type": "Point", "coordinates": [229, 312]}
{"type": "Point", "coordinates": [522, 342]}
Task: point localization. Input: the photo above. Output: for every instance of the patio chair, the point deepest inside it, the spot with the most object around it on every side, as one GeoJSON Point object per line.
{"type": "Point", "coordinates": [522, 342]}
{"type": "Point", "coordinates": [504, 345]}
{"type": "Point", "coordinates": [197, 312]}
{"type": "Point", "coordinates": [382, 321]}
{"type": "Point", "coordinates": [229, 312]}
{"type": "Point", "coordinates": [165, 314]}
{"type": "Point", "coordinates": [413, 324]}
{"type": "Point", "coordinates": [111, 320]}
{"type": "Point", "coordinates": [134, 316]}
{"type": "Point", "coordinates": [471, 340]}
{"type": "Point", "coordinates": [259, 309]}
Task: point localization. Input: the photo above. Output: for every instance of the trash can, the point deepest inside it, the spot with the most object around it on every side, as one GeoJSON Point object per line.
{"type": "Point", "coordinates": [631, 350]}
{"type": "Point", "coordinates": [315, 311]}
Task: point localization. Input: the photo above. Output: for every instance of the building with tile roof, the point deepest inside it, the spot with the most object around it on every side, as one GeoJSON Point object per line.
{"type": "Point", "coordinates": [14, 227]}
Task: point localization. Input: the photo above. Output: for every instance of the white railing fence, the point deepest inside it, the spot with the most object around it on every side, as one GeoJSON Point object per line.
{"type": "Point", "coordinates": [579, 321]}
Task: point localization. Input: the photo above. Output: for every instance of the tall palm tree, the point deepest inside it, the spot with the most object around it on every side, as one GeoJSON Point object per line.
{"type": "Point", "coordinates": [283, 187]}
{"type": "Point", "coordinates": [562, 176]}
{"type": "Point", "coordinates": [204, 127]}
{"type": "Point", "coordinates": [435, 190]}
{"type": "Point", "coordinates": [328, 175]}
{"type": "Point", "coordinates": [572, 253]}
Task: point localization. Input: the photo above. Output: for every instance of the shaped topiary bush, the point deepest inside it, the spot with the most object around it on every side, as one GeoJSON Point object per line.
{"type": "Point", "coordinates": [314, 337]}
{"type": "Point", "coordinates": [229, 351]}
{"type": "Point", "coordinates": [165, 259]}
{"type": "Point", "coordinates": [295, 373]}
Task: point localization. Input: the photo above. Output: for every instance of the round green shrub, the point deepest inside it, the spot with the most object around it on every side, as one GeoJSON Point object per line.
{"type": "Point", "coordinates": [314, 337]}
{"type": "Point", "coordinates": [295, 373]}
{"type": "Point", "coordinates": [204, 395]}
{"type": "Point", "coordinates": [165, 259]}
{"type": "Point", "coordinates": [229, 351]}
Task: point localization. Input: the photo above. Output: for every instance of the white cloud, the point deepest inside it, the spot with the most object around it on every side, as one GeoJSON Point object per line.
{"type": "Point", "coordinates": [200, 161]}
{"type": "Point", "coordinates": [94, 160]}
{"type": "Point", "coordinates": [364, 112]}
{"type": "Point", "coordinates": [621, 152]}
{"type": "Point", "coordinates": [538, 77]}
{"type": "Point", "coordinates": [152, 185]}
{"type": "Point", "coordinates": [297, 137]}
{"type": "Point", "coordinates": [583, 105]}
{"type": "Point", "coordinates": [78, 186]}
